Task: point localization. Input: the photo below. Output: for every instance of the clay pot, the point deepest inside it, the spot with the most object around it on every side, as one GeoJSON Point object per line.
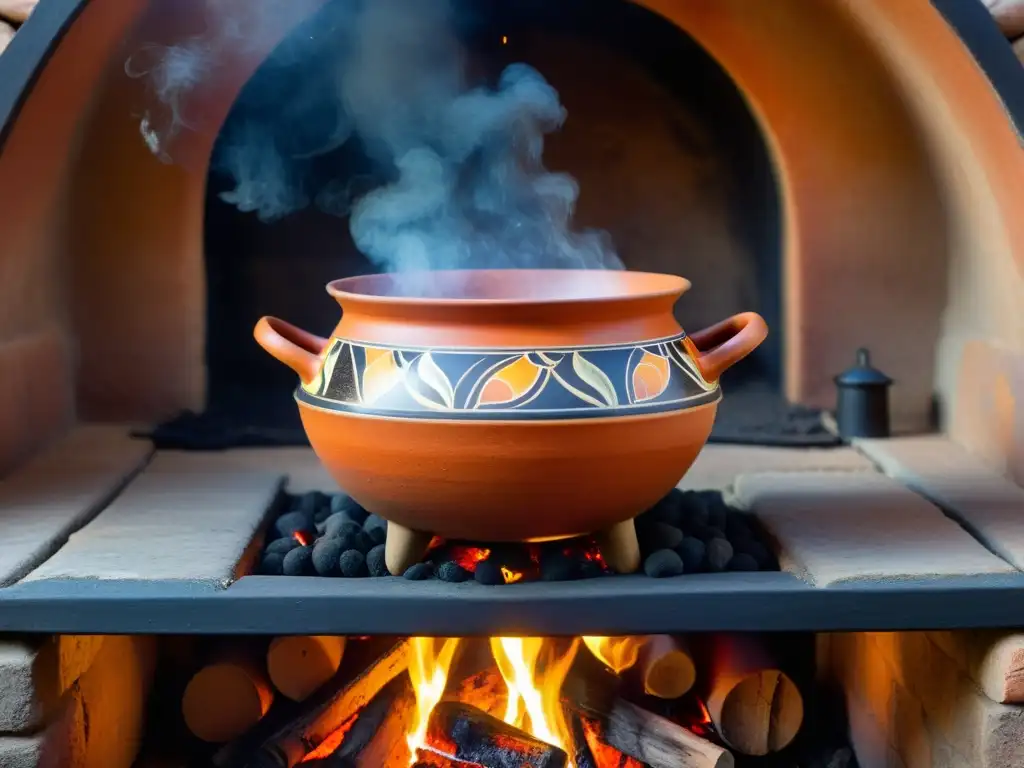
{"type": "Point", "coordinates": [509, 405]}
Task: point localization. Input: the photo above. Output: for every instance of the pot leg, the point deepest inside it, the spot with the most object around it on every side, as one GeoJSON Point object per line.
{"type": "Point", "coordinates": [403, 548]}
{"type": "Point", "coordinates": [619, 547]}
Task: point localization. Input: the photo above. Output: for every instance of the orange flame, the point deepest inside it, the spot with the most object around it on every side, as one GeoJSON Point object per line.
{"type": "Point", "coordinates": [531, 693]}
{"type": "Point", "coordinates": [428, 672]}
{"type": "Point", "coordinates": [617, 653]}
{"type": "Point", "coordinates": [302, 538]}
{"type": "Point", "coordinates": [511, 577]}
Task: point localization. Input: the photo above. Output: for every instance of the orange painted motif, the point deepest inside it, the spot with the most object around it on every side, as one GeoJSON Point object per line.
{"type": "Point", "coordinates": [510, 383]}
{"type": "Point", "coordinates": [650, 377]}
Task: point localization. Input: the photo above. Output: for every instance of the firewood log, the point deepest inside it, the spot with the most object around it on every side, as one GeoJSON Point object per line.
{"type": "Point", "coordinates": [299, 665]}
{"type": "Point", "coordinates": [226, 698]}
{"type": "Point", "coordinates": [322, 714]}
{"type": "Point", "coordinates": [664, 667]}
{"type": "Point", "coordinates": [472, 736]}
{"type": "Point", "coordinates": [755, 707]}
{"type": "Point", "coordinates": [657, 741]}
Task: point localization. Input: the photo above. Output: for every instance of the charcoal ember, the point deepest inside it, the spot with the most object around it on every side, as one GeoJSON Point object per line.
{"type": "Point", "coordinates": [339, 525]}
{"type": "Point", "coordinates": [741, 561]}
{"type": "Point", "coordinates": [352, 564]}
{"type": "Point", "coordinates": [451, 571]}
{"type": "Point", "coordinates": [298, 562]}
{"type": "Point", "coordinates": [669, 509]}
{"type": "Point", "coordinates": [375, 561]}
{"type": "Point", "coordinates": [373, 522]}
{"type": "Point", "coordinates": [281, 546]}
{"type": "Point", "coordinates": [555, 565]}
{"type": "Point", "coordinates": [377, 535]}
{"type": "Point", "coordinates": [694, 511]}
{"type": "Point", "coordinates": [590, 569]}
{"type": "Point", "coordinates": [350, 508]}
{"type": "Point", "coordinates": [662, 564]}
{"type": "Point", "coordinates": [660, 536]}
{"type": "Point", "coordinates": [693, 552]}
{"type": "Point", "coordinates": [272, 564]}
{"type": "Point", "coordinates": [489, 572]}
{"type": "Point", "coordinates": [720, 552]}
{"type": "Point", "coordinates": [419, 572]}
{"type": "Point", "coordinates": [291, 523]}
{"type": "Point", "coordinates": [326, 553]}
{"type": "Point", "coordinates": [718, 510]}
{"type": "Point", "coordinates": [515, 557]}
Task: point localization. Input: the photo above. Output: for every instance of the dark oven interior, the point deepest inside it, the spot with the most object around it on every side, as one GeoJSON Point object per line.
{"type": "Point", "coordinates": [668, 156]}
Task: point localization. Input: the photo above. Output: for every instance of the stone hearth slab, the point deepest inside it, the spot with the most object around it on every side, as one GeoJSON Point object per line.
{"type": "Point", "coordinates": [61, 489]}
{"type": "Point", "coordinates": [836, 527]}
{"type": "Point", "coordinates": [985, 502]}
{"type": "Point", "coordinates": [718, 466]}
{"type": "Point", "coordinates": [191, 517]}
{"type": "Point", "coordinates": [301, 466]}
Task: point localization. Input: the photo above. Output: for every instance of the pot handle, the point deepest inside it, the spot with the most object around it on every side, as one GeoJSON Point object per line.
{"type": "Point", "coordinates": [726, 343]}
{"type": "Point", "coordinates": [296, 348]}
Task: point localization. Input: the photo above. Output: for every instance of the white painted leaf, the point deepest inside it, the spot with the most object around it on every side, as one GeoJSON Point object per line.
{"type": "Point", "coordinates": [595, 377]}
{"type": "Point", "coordinates": [432, 375]}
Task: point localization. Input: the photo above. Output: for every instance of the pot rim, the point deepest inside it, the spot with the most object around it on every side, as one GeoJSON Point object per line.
{"type": "Point", "coordinates": [612, 286]}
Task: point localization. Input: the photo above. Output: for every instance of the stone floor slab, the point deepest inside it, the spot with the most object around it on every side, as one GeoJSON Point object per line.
{"type": "Point", "coordinates": [186, 517]}
{"type": "Point", "coordinates": [58, 491]}
{"type": "Point", "coordinates": [718, 465]}
{"type": "Point", "coordinates": [983, 501]}
{"type": "Point", "coordinates": [836, 527]}
{"type": "Point", "coordinates": [301, 466]}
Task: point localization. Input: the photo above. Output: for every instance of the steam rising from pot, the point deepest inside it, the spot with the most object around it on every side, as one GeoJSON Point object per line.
{"type": "Point", "coordinates": [455, 178]}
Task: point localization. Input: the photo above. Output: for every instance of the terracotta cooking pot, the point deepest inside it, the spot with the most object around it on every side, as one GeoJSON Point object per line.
{"type": "Point", "coordinates": [509, 405]}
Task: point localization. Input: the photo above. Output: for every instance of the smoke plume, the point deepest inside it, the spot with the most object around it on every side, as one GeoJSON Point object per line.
{"type": "Point", "coordinates": [453, 177]}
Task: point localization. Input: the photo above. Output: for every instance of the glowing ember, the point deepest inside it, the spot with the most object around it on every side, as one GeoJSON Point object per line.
{"type": "Point", "coordinates": [532, 693]}
{"type": "Point", "coordinates": [428, 672]}
{"type": "Point", "coordinates": [617, 653]}
{"type": "Point", "coordinates": [703, 725]}
{"type": "Point", "coordinates": [302, 538]}
{"type": "Point", "coordinates": [511, 577]}
{"type": "Point", "coordinates": [605, 756]}
{"type": "Point", "coordinates": [468, 557]}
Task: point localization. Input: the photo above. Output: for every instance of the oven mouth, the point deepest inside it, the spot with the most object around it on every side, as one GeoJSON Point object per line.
{"type": "Point", "coordinates": [507, 287]}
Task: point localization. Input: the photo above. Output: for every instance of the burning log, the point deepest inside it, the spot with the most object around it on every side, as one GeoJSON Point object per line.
{"type": "Point", "coordinates": [756, 708]}
{"type": "Point", "coordinates": [300, 665]}
{"type": "Point", "coordinates": [472, 736]}
{"type": "Point", "coordinates": [323, 715]}
{"type": "Point", "coordinates": [657, 741]}
{"type": "Point", "coordinates": [226, 698]}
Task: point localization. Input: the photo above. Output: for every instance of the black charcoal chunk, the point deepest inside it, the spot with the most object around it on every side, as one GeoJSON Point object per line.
{"type": "Point", "coordinates": [720, 552]}
{"type": "Point", "coordinates": [363, 541]}
{"type": "Point", "coordinates": [299, 562]}
{"type": "Point", "coordinates": [291, 523]}
{"type": "Point", "coordinates": [742, 562]}
{"type": "Point", "coordinates": [375, 561]}
{"type": "Point", "coordinates": [419, 572]}
{"type": "Point", "coordinates": [515, 557]}
{"type": "Point", "coordinates": [352, 564]}
{"type": "Point", "coordinates": [557, 566]}
{"type": "Point", "coordinates": [451, 571]}
{"type": "Point", "coordinates": [590, 569]}
{"type": "Point", "coordinates": [694, 510]}
{"type": "Point", "coordinates": [322, 513]}
{"type": "Point", "coordinates": [374, 521]}
{"type": "Point", "coordinates": [282, 546]}
{"type": "Point", "coordinates": [325, 556]}
{"type": "Point", "coordinates": [692, 551]}
{"type": "Point", "coordinates": [665, 536]}
{"type": "Point", "coordinates": [272, 564]}
{"type": "Point", "coordinates": [350, 508]}
{"type": "Point", "coordinates": [489, 572]}
{"type": "Point", "coordinates": [761, 554]}
{"type": "Point", "coordinates": [377, 535]}
{"type": "Point", "coordinates": [669, 510]}
{"type": "Point", "coordinates": [662, 564]}
{"type": "Point", "coordinates": [707, 533]}
{"type": "Point", "coordinates": [339, 525]}
{"type": "Point", "coordinates": [309, 503]}
{"type": "Point", "coordinates": [737, 528]}
{"type": "Point", "coordinates": [717, 509]}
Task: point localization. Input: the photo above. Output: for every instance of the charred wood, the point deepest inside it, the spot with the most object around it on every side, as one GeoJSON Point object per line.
{"type": "Point", "coordinates": [470, 735]}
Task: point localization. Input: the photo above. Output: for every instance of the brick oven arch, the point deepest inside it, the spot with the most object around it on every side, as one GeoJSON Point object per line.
{"type": "Point", "coordinates": [867, 107]}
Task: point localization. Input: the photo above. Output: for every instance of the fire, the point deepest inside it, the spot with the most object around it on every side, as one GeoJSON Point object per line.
{"type": "Point", "coordinates": [302, 538]}
{"type": "Point", "coordinates": [428, 672]}
{"type": "Point", "coordinates": [617, 653]}
{"type": "Point", "coordinates": [511, 577]}
{"type": "Point", "coordinates": [531, 693]}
